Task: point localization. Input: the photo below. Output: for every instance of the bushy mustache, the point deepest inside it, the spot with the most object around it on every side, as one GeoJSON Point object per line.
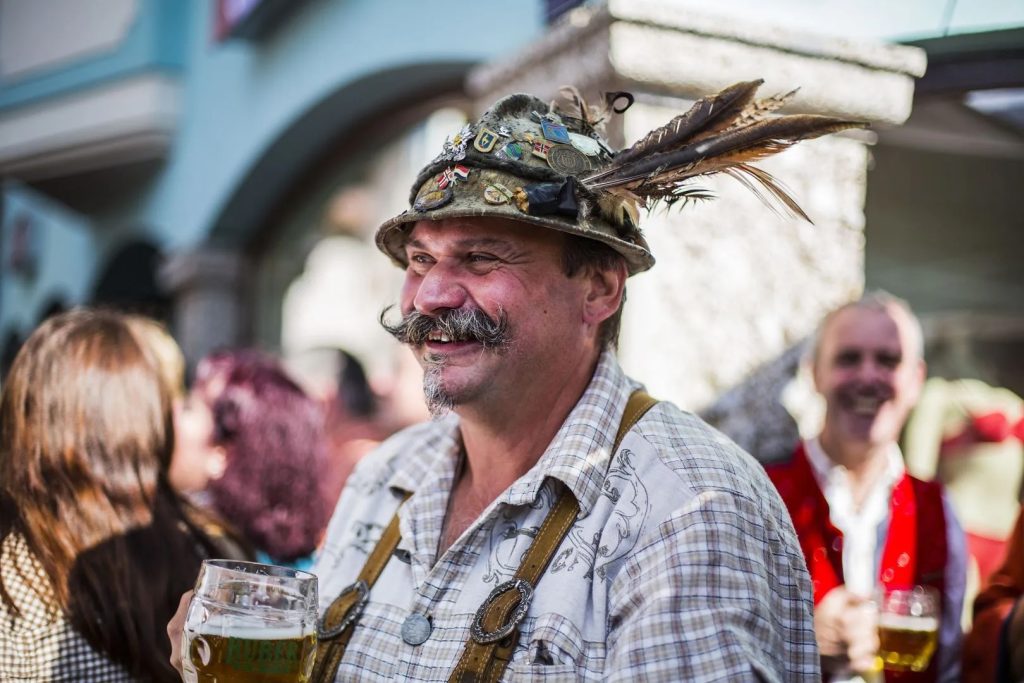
{"type": "Point", "coordinates": [459, 324]}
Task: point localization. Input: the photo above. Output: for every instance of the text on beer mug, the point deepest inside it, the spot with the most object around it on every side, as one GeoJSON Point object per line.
{"type": "Point", "coordinates": [908, 627]}
{"type": "Point", "coordinates": [250, 622]}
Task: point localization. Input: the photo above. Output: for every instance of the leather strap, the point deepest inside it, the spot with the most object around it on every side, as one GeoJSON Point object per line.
{"type": "Point", "coordinates": [495, 629]}
{"type": "Point", "coordinates": [338, 621]}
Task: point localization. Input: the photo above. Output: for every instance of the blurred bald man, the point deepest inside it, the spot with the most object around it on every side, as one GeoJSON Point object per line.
{"type": "Point", "coordinates": [863, 522]}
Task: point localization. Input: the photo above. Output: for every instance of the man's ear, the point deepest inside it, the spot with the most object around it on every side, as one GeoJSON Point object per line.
{"type": "Point", "coordinates": [920, 375]}
{"type": "Point", "coordinates": [604, 292]}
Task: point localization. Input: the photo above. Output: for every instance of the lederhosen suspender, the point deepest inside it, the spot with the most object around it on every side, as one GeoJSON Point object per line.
{"type": "Point", "coordinates": [494, 632]}
{"type": "Point", "coordinates": [336, 624]}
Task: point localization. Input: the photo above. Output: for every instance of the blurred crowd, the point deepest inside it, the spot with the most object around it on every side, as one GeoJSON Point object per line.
{"type": "Point", "coordinates": [117, 480]}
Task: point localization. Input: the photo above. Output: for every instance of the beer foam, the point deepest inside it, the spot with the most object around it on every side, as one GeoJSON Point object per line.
{"type": "Point", "coordinates": [905, 622]}
{"type": "Point", "coordinates": [232, 627]}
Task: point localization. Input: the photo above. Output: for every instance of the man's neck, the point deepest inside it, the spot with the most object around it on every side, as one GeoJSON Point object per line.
{"type": "Point", "coordinates": [502, 445]}
{"type": "Point", "coordinates": [865, 463]}
{"type": "Point", "coordinates": [503, 442]}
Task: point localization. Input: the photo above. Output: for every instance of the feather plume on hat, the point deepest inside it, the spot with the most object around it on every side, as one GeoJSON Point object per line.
{"type": "Point", "coordinates": [721, 133]}
{"type": "Point", "coordinates": [549, 165]}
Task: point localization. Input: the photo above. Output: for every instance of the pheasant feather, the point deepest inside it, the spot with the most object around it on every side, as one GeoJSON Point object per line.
{"type": "Point", "coordinates": [722, 133]}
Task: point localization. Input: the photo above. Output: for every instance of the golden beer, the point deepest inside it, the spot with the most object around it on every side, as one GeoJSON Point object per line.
{"type": "Point", "coordinates": [252, 655]}
{"type": "Point", "coordinates": [250, 622]}
{"type": "Point", "coordinates": [906, 643]}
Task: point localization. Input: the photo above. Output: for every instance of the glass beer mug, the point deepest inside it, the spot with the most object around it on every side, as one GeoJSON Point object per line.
{"type": "Point", "coordinates": [250, 622]}
{"type": "Point", "coordinates": [908, 627]}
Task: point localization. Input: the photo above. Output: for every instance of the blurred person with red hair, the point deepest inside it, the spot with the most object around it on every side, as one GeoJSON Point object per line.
{"type": "Point", "coordinates": [994, 649]}
{"type": "Point", "coordinates": [95, 545]}
{"type": "Point", "coordinates": [252, 442]}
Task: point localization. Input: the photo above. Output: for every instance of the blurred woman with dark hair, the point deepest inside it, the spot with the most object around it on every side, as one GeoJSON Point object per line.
{"type": "Point", "coordinates": [95, 546]}
{"type": "Point", "coordinates": [254, 440]}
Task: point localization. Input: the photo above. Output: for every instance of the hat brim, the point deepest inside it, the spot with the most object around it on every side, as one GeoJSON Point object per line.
{"type": "Point", "coordinates": [391, 235]}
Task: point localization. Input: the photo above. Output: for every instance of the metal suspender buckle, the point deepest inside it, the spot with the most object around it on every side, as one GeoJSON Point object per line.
{"type": "Point", "coordinates": [362, 590]}
{"type": "Point", "coordinates": [525, 596]}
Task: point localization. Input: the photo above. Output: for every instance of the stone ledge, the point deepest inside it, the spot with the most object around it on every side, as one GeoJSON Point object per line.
{"type": "Point", "coordinates": [910, 61]}
{"type": "Point", "coordinates": [651, 44]}
{"type": "Point", "coordinates": [658, 58]}
{"type": "Point", "coordinates": [129, 120]}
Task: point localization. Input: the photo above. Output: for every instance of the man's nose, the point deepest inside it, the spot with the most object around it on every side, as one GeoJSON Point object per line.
{"type": "Point", "coordinates": [439, 289]}
{"type": "Point", "coordinates": [873, 371]}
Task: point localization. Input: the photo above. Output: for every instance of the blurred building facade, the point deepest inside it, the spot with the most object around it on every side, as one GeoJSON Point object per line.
{"type": "Point", "coordinates": [222, 165]}
{"type": "Point", "coordinates": [181, 142]}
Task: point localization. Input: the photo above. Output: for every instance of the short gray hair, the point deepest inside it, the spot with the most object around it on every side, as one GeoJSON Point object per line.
{"type": "Point", "coordinates": [875, 300]}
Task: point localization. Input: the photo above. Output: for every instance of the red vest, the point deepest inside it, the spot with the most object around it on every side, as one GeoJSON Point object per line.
{"type": "Point", "coordinates": [915, 547]}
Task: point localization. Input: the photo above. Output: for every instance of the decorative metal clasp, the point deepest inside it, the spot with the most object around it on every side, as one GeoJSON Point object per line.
{"type": "Point", "coordinates": [525, 597]}
{"type": "Point", "coordinates": [363, 590]}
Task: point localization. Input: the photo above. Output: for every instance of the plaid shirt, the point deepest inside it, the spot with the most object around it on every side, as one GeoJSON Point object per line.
{"type": "Point", "coordinates": [682, 566]}
{"type": "Point", "coordinates": [39, 644]}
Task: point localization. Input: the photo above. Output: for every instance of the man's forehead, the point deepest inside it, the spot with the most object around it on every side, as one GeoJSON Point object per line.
{"type": "Point", "coordinates": [866, 327]}
{"type": "Point", "coordinates": [479, 230]}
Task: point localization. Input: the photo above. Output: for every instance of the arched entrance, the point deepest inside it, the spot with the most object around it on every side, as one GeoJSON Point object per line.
{"type": "Point", "coordinates": [275, 216]}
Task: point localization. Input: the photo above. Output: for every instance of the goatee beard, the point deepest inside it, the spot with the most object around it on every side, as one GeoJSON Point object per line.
{"type": "Point", "coordinates": [439, 401]}
{"type": "Point", "coordinates": [461, 324]}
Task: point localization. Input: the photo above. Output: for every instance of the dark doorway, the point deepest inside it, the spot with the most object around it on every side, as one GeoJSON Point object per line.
{"type": "Point", "coordinates": [128, 282]}
{"type": "Point", "coordinates": [12, 342]}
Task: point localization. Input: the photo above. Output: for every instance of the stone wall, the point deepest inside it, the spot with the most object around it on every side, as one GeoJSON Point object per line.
{"type": "Point", "coordinates": [717, 325]}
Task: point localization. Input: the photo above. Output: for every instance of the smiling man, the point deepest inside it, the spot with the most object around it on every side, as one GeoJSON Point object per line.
{"type": "Point", "coordinates": [529, 542]}
{"type": "Point", "coordinates": [863, 522]}
{"type": "Point", "coordinates": [553, 522]}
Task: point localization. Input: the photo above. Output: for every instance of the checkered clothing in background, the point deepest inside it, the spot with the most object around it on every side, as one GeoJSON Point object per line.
{"type": "Point", "coordinates": [39, 645]}
{"type": "Point", "coordinates": [683, 565]}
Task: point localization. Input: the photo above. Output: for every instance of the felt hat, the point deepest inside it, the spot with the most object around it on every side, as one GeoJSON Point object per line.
{"type": "Point", "coordinates": [549, 165]}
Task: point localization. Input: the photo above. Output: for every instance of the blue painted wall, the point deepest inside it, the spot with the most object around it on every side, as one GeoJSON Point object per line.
{"type": "Point", "coordinates": [157, 41]}
{"type": "Point", "coordinates": [239, 97]}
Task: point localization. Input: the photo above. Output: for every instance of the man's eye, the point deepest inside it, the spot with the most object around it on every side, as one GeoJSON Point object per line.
{"type": "Point", "coordinates": [420, 258]}
{"type": "Point", "coordinates": [480, 258]}
{"type": "Point", "coordinates": [847, 359]}
{"type": "Point", "coordinates": [889, 361]}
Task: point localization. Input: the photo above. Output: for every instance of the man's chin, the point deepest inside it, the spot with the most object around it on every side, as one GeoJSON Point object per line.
{"type": "Point", "coordinates": [870, 432]}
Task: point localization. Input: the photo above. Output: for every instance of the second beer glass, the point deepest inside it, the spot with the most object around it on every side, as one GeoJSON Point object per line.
{"type": "Point", "coordinates": [908, 627]}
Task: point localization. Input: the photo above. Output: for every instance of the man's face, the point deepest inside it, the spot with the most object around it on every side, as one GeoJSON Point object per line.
{"type": "Point", "coordinates": [869, 371]}
{"type": "Point", "coordinates": [504, 272]}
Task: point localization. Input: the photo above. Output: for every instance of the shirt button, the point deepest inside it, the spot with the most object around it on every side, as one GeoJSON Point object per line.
{"type": "Point", "coordinates": [416, 629]}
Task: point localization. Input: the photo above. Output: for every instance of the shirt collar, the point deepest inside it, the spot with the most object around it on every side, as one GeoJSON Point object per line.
{"type": "Point", "coordinates": [580, 453]}
{"type": "Point", "coordinates": [436, 452]}
{"type": "Point", "coordinates": [578, 456]}
{"type": "Point", "coordinates": [831, 475]}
